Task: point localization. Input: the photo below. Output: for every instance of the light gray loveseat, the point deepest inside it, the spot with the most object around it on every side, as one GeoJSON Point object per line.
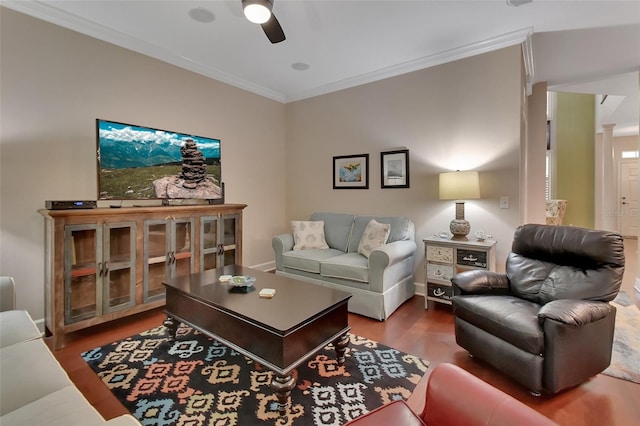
{"type": "Point", "coordinates": [379, 284]}
{"type": "Point", "coordinates": [34, 389]}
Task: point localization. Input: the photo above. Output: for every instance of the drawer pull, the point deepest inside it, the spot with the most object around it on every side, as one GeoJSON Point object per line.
{"type": "Point", "coordinates": [470, 258]}
{"type": "Point", "coordinates": [438, 292]}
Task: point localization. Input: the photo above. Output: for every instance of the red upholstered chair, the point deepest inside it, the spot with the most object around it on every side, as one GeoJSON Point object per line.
{"type": "Point", "coordinates": [455, 397]}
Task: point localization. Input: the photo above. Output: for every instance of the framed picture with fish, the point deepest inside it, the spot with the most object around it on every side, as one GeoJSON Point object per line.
{"type": "Point", "coordinates": [351, 171]}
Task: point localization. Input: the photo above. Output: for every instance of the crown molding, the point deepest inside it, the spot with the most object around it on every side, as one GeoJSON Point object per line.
{"type": "Point", "coordinates": [47, 11]}
{"type": "Point", "coordinates": [527, 56]}
{"type": "Point", "coordinates": [473, 49]}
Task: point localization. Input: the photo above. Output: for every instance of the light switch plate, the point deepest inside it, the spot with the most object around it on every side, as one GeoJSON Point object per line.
{"type": "Point", "coordinates": [504, 202]}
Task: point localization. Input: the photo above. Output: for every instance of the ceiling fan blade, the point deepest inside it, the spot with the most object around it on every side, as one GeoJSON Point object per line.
{"type": "Point", "coordinates": [273, 30]}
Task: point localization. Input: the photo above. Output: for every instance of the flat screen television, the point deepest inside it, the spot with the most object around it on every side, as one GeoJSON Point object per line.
{"type": "Point", "coordinates": [136, 162]}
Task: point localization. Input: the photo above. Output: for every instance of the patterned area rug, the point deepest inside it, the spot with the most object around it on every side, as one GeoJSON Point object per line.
{"type": "Point", "coordinates": [625, 358]}
{"type": "Point", "coordinates": [197, 381]}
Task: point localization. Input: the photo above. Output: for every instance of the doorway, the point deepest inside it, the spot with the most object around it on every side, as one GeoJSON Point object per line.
{"type": "Point", "coordinates": [628, 198]}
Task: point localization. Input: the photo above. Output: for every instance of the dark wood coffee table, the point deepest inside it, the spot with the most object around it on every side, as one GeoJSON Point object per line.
{"type": "Point", "coordinates": [280, 333]}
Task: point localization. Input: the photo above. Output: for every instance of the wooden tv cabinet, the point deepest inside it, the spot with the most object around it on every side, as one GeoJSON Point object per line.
{"type": "Point", "coordinates": [107, 263]}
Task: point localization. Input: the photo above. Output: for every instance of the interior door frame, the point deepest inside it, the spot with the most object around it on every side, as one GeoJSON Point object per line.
{"type": "Point", "coordinates": [619, 163]}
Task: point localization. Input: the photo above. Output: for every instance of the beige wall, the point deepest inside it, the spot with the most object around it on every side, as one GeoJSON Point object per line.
{"type": "Point", "coordinates": [575, 157]}
{"type": "Point", "coordinates": [461, 115]}
{"type": "Point", "coordinates": [55, 83]}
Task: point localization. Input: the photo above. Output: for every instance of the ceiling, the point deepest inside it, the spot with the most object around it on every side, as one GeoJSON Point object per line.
{"type": "Point", "coordinates": [586, 46]}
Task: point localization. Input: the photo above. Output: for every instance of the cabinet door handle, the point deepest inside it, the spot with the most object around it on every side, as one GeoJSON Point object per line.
{"type": "Point", "coordinates": [99, 270]}
{"type": "Point", "coordinates": [106, 269]}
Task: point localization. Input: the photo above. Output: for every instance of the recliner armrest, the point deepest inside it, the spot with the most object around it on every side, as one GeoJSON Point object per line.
{"type": "Point", "coordinates": [480, 282]}
{"type": "Point", "coordinates": [281, 244]}
{"type": "Point", "coordinates": [575, 312]}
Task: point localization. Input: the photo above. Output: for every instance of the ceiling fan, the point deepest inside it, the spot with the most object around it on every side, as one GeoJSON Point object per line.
{"type": "Point", "coordinates": [259, 12]}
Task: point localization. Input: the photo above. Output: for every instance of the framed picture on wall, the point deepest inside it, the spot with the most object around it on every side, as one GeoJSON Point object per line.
{"type": "Point", "coordinates": [394, 169]}
{"type": "Point", "coordinates": [351, 172]}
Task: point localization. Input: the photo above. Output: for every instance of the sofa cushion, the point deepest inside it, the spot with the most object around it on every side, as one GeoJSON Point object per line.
{"type": "Point", "coordinates": [308, 234]}
{"type": "Point", "coordinates": [350, 266]}
{"type": "Point", "coordinates": [374, 236]}
{"type": "Point", "coordinates": [29, 372]}
{"type": "Point", "coordinates": [17, 326]}
{"type": "Point", "coordinates": [337, 228]}
{"type": "Point", "coordinates": [65, 407]}
{"type": "Point", "coordinates": [488, 313]}
{"type": "Point", "coordinates": [307, 260]}
{"type": "Point", "coordinates": [401, 229]}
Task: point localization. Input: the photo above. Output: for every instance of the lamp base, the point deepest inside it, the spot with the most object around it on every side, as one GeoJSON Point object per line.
{"type": "Point", "coordinates": [460, 229]}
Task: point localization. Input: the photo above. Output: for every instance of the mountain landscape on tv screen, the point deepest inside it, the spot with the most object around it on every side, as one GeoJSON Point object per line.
{"type": "Point", "coordinates": [144, 163]}
{"type": "Point", "coordinates": [125, 146]}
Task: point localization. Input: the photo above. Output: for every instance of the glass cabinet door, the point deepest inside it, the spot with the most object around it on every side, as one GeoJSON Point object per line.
{"type": "Point", "coordinates": [156, 258]}
{"type": "Point", "coordinates": [83, 266]}
{"type": "Point", "coordinates": [209, 247]}
{"type": "Point", "coordinates": [168, 251]}
{"type": "Point", "coordinates": [218, 241]}
{"type": "Point", "coordinates": [230, 225]}
{"type": "Point", "coordinates": [118, 267]}
{"type": "Point", "coordinates": [182, 247]}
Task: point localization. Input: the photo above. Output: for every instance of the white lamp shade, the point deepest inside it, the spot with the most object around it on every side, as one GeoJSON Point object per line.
{"type": "Point", "coordinates": [257, 11]}
{"type": "Point", "coordinates": [459, 186]}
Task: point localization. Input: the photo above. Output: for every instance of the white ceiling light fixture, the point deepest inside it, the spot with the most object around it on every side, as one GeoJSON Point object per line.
{"type": "Point", "coordinates": [257, 11]}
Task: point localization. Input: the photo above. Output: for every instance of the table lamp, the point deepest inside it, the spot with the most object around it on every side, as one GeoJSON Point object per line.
{"type": "Point", "coordinates": [459, 186]}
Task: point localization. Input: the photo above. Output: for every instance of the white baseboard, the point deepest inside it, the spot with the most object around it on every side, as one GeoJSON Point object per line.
{"type": "Point", "coordinates": [40, 325]}
{"type": "Point", "coordinates": [419, 288]}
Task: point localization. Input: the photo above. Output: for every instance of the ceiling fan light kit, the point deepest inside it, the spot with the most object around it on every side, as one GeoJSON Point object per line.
{"type": "Point", "coordinates": [257, 11]}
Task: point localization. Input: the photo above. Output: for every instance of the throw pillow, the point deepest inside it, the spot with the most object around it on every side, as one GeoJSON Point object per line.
{"type": "Point", "coordinates": [374, 236]}
{"type": "Point", "coordinates": [308, 234]}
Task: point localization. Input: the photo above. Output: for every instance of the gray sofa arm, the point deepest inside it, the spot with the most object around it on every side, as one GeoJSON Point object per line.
{"type": "Point", "coordinates": [7, 294]}
{"type": "Point", "coordinates": [281, 244]}
{"type": "Point", "coordinates": [397, 257]}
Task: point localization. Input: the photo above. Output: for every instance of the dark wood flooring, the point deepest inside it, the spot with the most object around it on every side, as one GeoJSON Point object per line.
{"type": "Point", "coordinates": [603, 400]}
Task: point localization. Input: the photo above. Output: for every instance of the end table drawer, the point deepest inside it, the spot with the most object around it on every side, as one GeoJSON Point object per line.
{"type": "Point", "coordinates": [440, 254]}
{"type": "Point", "coordinates": [438, 291]}
{"type": "Point", "coordinates": [472, 258]}
{"type": "Point", "coordinates": [439, 272]}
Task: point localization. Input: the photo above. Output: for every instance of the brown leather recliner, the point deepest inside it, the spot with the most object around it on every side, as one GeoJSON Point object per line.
{"type": "Point", "coordinates": [546, 322]}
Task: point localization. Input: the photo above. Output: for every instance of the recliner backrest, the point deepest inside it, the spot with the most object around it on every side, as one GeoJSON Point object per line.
{"type": "Point", "coordinates": [550, 262]}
